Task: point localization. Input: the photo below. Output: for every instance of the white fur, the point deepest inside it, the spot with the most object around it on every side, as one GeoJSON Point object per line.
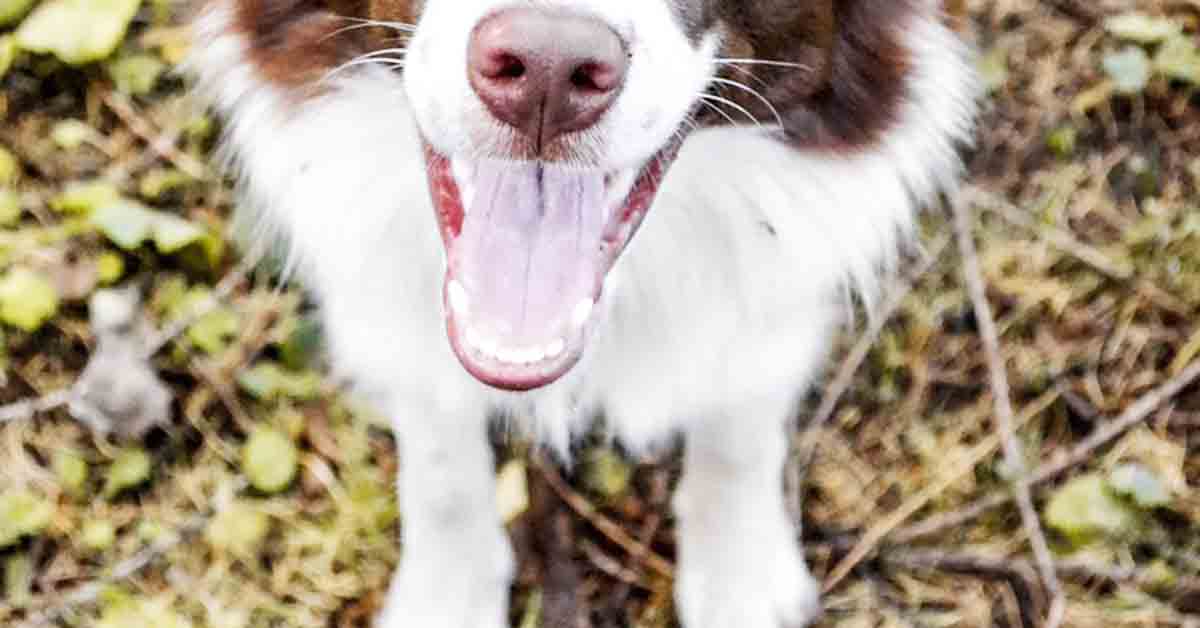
{"type": "Point", "coordinates": [709, 323]}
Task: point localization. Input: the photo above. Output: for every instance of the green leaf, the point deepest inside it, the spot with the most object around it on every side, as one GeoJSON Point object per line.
{"type": "Point", "coordinates": [1129, 69]}
{"type": "Point", "coordinates": [1085, 510]}
{"type": "Point", "coordinates": [18, 579]}
{"type": "Point", "coordinates": [302, 342]}
{"type": "Point", "coordinates": [71, 134]}
{"type": "Point", "coordinates": [136, 74]}
{"type": "Point", "coordinates": [125, 611]}
{"type": "Point", "coordinates": [1179, 59]}
{"type": "Point", "coordinates": [512, 490]}
{"type": "Point", "coordinates": [129, 469]}
{"type": "Point", "coordinates": [160, 181]}
{"type": "Point", "coordinates": [238, 529]}
{"type": "Point", "coordinates": [1062, 141]}
{"type": "Point", "coordinates": [97, 535]}
{"type": "Point", "coordinates": [110, 267]}
{"type": "Point", "coordinates": [8, 53]}
{"type": "Point", "coordinates": [27, 299]}
{"type": "Point", "coordinates": [269, 460]}
{"type": "Point", "coordinates": [10, 207]}
{"type": "Point", "coordinates": [606, 473]}
{"type": "Point", "coordinates": [126, 223]}
{"type": "Point", "coordinates": [77, 31]}
{"type": "Point", "coordinates": [172, 233]}
{"type": "Point", "coordinates": [993, 68]}
{"type": "Point", "coordinates": [22, 514]}
{"type": "Point", "coordinates": [1140, 484]}
{"type": "Point", "coordinates": [268, 380]}
{"type": "Point", "coordinates": [10, 166]}
{"type": "Point", "coordinates": [71, 470]}
{"type": "Point", "coordinates": [1142, 28]}
{"type": "Point", "coordinates": [85, 197]}
{"type": "Point", "coordinates": [13, 10]}
{"type": "Point", "coordinates": [213, 331]}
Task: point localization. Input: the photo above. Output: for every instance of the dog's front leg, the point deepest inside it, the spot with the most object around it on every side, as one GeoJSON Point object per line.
{"type": "Point", "coordinates": [457, 561]}
{"type": "Point", "coordinates": [740, 563]}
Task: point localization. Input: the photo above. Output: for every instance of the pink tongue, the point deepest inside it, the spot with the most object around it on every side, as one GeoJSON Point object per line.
{"type": "Point", "coordinates": [529, 250]}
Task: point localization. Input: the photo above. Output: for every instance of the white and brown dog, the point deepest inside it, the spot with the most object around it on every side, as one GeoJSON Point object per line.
{"type": "Point", "coordinates": [550, 209]}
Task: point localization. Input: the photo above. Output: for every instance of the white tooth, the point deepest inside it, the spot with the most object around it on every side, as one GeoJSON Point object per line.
{"type": "Point", "coordinates": [457, 294]}
{"type": "Point", "coordinates": [511, 356]}
{"type": "Point", "coordinates": [582, 312]}
{"type": "Point", "coordinates": [554, 349]}
{"type": "Point", "coordinates": [488, 347]}
{"type": "Point", "coordinates": [533, 355]}
{"type": "Point", "coordinates": [472, 339]}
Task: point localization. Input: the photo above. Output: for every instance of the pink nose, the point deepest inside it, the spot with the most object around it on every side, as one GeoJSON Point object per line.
{"type": "Point", "coordinates": [545, 73]}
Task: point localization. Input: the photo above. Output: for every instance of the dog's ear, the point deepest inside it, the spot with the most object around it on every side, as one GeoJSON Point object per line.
{"type": "Point", "coordinates": [834, 72]}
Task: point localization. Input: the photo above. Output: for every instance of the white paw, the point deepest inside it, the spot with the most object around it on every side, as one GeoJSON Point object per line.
{"type": "Point", "coordinates": [746, 583]}
{"type": "Point", "coordinates": [447, 592]}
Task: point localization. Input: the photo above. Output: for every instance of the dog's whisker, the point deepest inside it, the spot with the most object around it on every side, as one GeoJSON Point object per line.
{"type": "Point", "coordinates": [752, 92]}
{"type": "Point", "coordinates": [364, 22]}
{"type": "Point", "coordinates": [725, 101]}
{"type": "Point", "coordinates": [359, 61]}
{"type": "Point", "coordinates": [782, 64]}
{"type": "Point", "coordinates": [748, 73]}
{"type": "Point", "coordinates": [720, 111]}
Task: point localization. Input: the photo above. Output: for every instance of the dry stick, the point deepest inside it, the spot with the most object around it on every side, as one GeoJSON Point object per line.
{"type": "Point", "coordinates": [27, 408]}
{"type": "Point", "coordinates": [979, 563]}
{"type": "Point", "coordinates": [1133, 415]}
{"type": "Point", "coordinates": [615, 533]}
{"type": "Point", "coordinates": [162, 144]}
{"type": "Point", "coordinates": [211, 302]}
{"type": "Point", "coordinates": [1014, 457]}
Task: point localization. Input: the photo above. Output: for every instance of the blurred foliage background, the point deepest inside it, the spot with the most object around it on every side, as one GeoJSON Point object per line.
{"type": "Point", "coordinates": [183, 459]}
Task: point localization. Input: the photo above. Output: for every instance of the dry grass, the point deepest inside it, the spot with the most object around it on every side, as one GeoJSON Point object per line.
{"type": "Point", "coordinates": [1091, 259]}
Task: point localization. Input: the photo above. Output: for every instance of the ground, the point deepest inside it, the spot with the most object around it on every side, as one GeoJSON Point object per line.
{"type": "Point", "coordinates": [1082, 202]}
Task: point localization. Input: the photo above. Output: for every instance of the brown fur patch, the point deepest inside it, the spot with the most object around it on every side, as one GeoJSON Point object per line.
{"type": "Point", "coordinates": [855, 66]}
{"type": "Point", "coordinates": [293, 43]}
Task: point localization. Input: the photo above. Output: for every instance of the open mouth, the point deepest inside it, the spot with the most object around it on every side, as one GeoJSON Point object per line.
{"type": "Point", "coordinates": [528, 246]}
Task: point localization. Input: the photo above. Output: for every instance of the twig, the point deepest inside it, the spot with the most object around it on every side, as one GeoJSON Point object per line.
{"type": "Point", "coordinates": [615, 533]}
{"type": "Point", "coordinates": [1001, 397]}
{"type": "Point", "coordinates": [972, 562]}
{"type": "Point", "coordinates": [27, 408]}
{"type": "Point", "coordinates": [1133, 415]}
{"type": "Point", "coordinates": [212, 301]}
{"type": "Point", "coordinates": [162, 144]}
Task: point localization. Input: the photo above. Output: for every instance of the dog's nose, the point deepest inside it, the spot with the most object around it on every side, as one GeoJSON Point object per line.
{"type": "Point", "coordinates": [546, 73]}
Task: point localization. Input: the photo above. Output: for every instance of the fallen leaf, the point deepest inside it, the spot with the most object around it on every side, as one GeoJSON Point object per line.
{"type": "Point", "coordinates": [269, 460]}
{"type": "Point", "coordinates": [77, 31]}
{"type": "Point", "coordinates": [27, 299]}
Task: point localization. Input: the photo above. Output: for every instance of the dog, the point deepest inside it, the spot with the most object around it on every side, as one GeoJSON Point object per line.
{"type": "Point", "coordinates": [550, 210]}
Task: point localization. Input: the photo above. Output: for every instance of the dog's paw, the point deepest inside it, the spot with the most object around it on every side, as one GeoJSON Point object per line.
{"type": "Point", "coordinates": [746, 584]}
{"type": "Point", "coordinates": [439, 594]}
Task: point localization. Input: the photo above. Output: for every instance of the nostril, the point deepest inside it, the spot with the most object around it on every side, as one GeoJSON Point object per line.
{"type": "Point", "coordinates": [595, 77]}
{"type": "Point", "coordinates": [509, 66]}
{"type": "Point", "coordinates": [502, 65]}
